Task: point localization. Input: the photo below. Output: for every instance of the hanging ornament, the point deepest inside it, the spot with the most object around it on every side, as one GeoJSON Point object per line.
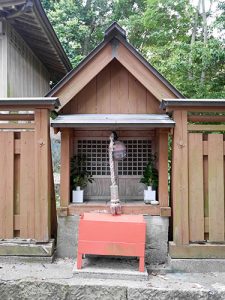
{"type": "Point", "coordinates": [119, 150]}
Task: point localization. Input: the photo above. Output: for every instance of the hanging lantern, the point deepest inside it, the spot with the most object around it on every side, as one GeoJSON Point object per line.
{"type": "Point", "coordinates": [119, 150]}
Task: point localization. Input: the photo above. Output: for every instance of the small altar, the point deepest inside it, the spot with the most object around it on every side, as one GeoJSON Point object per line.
{"type": "Point", "coordinates": [104, 234]}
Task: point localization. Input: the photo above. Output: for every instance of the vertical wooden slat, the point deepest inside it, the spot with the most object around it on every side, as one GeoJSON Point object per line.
{"type": "Point", "coordinates": [196, 201]}
{"type": "Point", "coordinates": [216, 187]}
{"type": "Point", "coordinates": [16, 204]}
{"type": "Point", "coordinates": [152, 105]}
{"type": "Point", "coordinates": [163, 168]}
{"type": "Point", "coordinates": [42, 201]}
{"type": "Point", "coordinates": [65, 167]}
{"type": "Point", "coordinates": [180, 179]}
{"type": "Point", "coordinates": [114, 87]}
{"type": "Point", "coordinates": [27, 195]}
{"type": "Point", "coordinates": [6, 184]}
{"type": "Point", "coordinates": [52, 196]}
{"type": "Point", "coordinates": [103, 91]}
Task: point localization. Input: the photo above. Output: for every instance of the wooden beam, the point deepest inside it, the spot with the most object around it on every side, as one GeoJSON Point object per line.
{"type": "Point", "coordinates": [165, 212]}
{"type": "Point", "coordinates": [84, 75]}
{"type": "Point", "coordinates": [201, 109]}
{"type": "Point", "coordinates": [142, 74]}
{"type": "Point", "coordinates": [194, 118]}
{"type": "Point", "coordinates": [16, 117]}
{"type": "Point", "coordinates": [127, 208]}
{"type": "Point", "coordinates": [197, 251]}
{"type": "Point", "coordinates": [180, 179]}
{"type": "Point", "coordinates": [163, 169]}
{"type": "Point", "coordinates": [42, 201]}
{"type": "Point", "coordinates": [193, 127]}
{"type": "Point", "coordinates": [66, 134]}
{"type": "Point", "coordinates": [17, 126]}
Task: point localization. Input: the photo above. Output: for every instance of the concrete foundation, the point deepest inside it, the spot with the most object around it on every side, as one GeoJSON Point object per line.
{"type": "Point", "coordinates": [156, 238]}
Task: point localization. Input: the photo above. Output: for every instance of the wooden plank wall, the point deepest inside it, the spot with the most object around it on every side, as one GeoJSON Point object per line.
{"type": "Point", "coordinates": [3, 60]}
{"type": "Point", "coordinates": [26, 75]}
{"type": "Point", "coordinates": [27, 202]}
{"type": "Point", "coordinates": [114, 90]}
{"type": "Point", "coordinates": [206, 187]}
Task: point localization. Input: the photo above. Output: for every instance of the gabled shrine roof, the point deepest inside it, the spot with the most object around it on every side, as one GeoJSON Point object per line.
{"type": "Point", "coordinates": [116, 46]}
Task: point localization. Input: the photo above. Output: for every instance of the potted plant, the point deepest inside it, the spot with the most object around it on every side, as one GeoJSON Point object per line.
{"type": "Point", "coordinates": [80, 178]}
{"type": "Point", "coordinates": [150, 179]}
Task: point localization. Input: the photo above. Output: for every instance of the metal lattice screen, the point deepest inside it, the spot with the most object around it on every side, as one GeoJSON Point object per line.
{"type": "Point", "coordinates": [97, 160]}
{"type": "Point", "coordinates": [138, 155]}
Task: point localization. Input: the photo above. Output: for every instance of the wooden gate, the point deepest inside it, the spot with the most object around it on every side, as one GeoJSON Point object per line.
{"type": "Point", "coordinates": [206, 187]}
{"type": "Point", "coordinates": [198, 169]}
{"type": "Point", "coordinates": [27, 200]}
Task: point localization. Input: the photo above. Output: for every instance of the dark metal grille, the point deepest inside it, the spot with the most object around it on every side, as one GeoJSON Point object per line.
{"type": "Point", "coordinates": [97, 159]}
{"type": "Point", "coordinates": [138, 155]}
{"type": "Point", "coordinates": [96, 153]}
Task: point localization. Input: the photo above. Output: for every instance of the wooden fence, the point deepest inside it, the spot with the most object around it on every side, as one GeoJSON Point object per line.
{"type": "Point", "coordinates": [198, 177]}
{"type": "Point", "coordinates": [27, 199]}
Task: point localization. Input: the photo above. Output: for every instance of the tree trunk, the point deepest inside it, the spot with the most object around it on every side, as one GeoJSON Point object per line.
{"type": "Point", "coordinates": [205, 40]}
{"type": "Point", "coordinates": [193, 37]}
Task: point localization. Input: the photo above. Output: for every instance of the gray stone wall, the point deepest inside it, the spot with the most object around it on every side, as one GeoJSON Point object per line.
{"type": "Point", "coordinates": [156, 238]}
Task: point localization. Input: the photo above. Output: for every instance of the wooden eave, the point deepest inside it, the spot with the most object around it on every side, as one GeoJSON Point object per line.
{"type": "Point", "coordinates": [30, 21]}
{"type": "Point", "coordinates": [201, 105]}
{"type": "Point", "coordinates": [29, 103]}
{"type": "Point", "coordinates": [121, 120]}
{"type": "Point", "coordinates": [113, 47]}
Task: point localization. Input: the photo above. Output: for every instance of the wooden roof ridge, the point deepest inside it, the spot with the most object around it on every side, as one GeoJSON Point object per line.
{"type": "Point", "coordinates": [114, 34]}
{"type": "Point", "coordinates": [21, 13]}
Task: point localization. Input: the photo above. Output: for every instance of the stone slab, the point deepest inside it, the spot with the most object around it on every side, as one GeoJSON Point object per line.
{"type": "Point", "coordinates": [56, 281]}
{"type": "Point", "coordinates": [110, 268]}
{"type": "Point", "coordinates": [196, 265]}
{"type": "Point", "coordinates": [21, 247]}
{"type": "Point", "coordinates": [27, 259]}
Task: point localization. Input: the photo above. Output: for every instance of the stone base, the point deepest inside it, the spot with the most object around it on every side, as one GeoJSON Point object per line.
{"type": "Point", "coordinates": [196, 265]}
{"type": "Point", "coordinates": [27, 259]}
{"type": "Point", "coordinates": [26, 248]}
{"type": "Point", "coordinates": [156, 238]}
{"type": "Point", "coordinates": [110, 268]}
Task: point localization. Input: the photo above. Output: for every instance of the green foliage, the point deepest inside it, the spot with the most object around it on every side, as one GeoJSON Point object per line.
{"type": "Point", "coordinates": [186, 76]}
{"type": "Point", "coordinates": [79, 176]}
{"type": "Point", "coordinates": [162, 30]}
{"type": "Point", "coordinates": [150, 174]}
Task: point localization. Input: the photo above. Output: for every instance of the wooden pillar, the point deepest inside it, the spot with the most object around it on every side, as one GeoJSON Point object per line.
{"type": "Point", "coordinates": [65, 167]}
{"type": "Point", "coordinates": [180, 179]}
{"type": "Point", "coordinates": [163, 167]}
{"type": "Point", "coordinates": [42, 199]}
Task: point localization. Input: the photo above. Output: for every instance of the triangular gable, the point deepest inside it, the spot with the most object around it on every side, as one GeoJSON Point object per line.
{"type": "Point", "coordinates": [116, 47]}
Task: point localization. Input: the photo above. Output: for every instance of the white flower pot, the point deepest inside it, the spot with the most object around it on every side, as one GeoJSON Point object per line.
{"type": "Point", "coordinates": [149, 195]}
{"type": "Point", "coordinates": [78, 196]}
